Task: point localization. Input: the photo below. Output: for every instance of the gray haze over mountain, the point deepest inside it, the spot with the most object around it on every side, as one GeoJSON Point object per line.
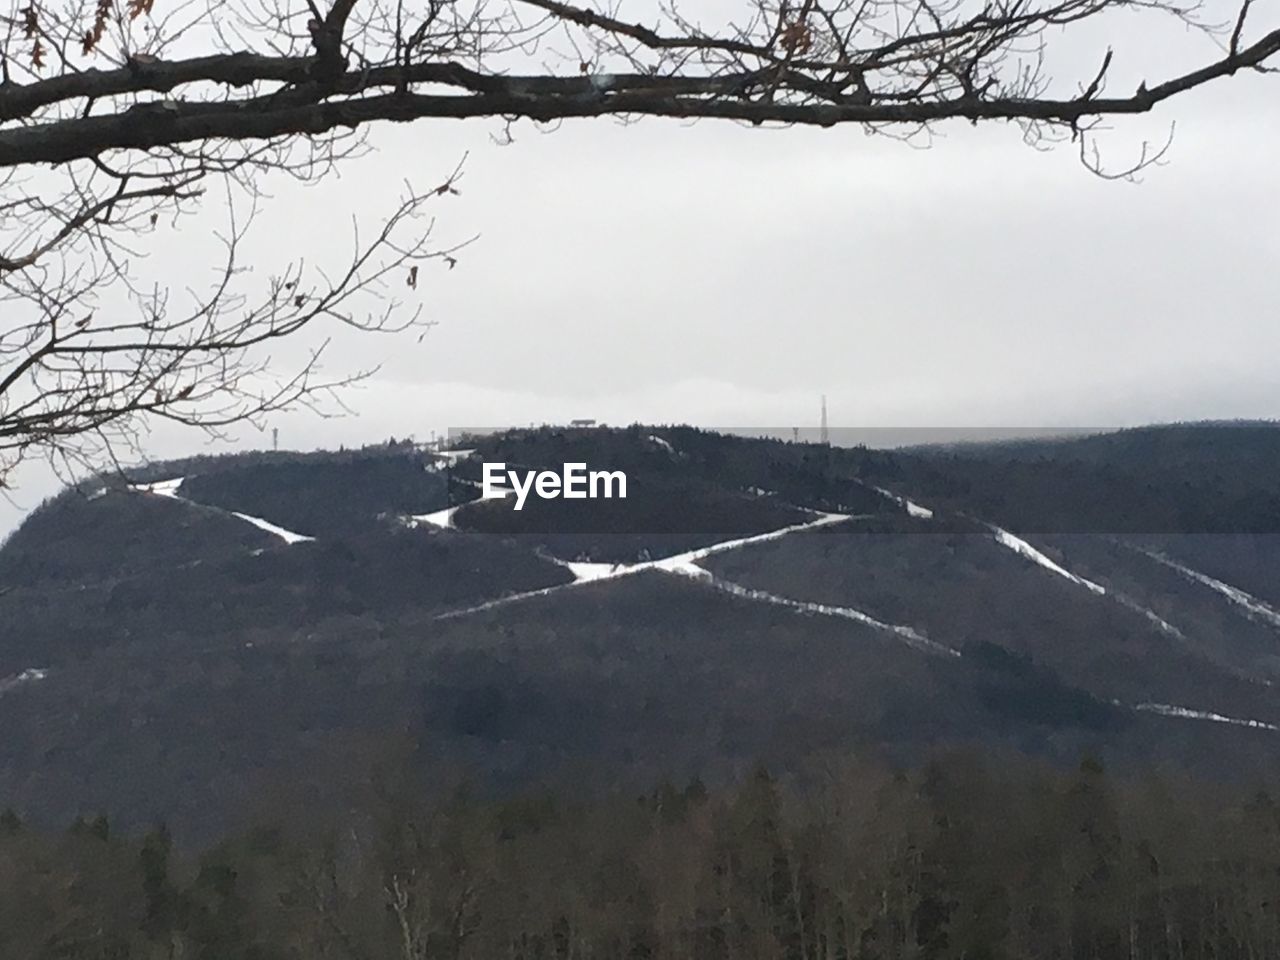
{"type": "Point", "coordinates": [722, 275]}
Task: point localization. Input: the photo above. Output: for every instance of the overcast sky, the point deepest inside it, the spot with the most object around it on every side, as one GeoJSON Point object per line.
{"type": "Point", "coordinates": [729, 276]}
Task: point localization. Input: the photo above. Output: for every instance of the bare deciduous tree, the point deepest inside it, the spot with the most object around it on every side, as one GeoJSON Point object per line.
{"type": "Point", "coordinates": [140, 110]}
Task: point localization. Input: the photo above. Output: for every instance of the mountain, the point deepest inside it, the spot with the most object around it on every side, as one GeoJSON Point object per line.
{"type": "Point", "coordinates": [203, 639]}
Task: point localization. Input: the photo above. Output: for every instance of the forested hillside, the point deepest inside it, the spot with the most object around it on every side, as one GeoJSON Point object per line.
{"type": "Point", "coordinates": [187, 642]}
{"type": "Point", "coordinates": [1204, 478]}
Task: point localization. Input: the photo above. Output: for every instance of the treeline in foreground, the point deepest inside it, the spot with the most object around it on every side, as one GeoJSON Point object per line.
{"type": "Point", "coordinates": [962, 858]}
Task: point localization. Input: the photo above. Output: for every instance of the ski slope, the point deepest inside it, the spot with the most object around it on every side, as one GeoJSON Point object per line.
{"type": "Point", "coordinates": [907, 635]}
{"type": "Point", "coordinates": [1253, 606]}
{"type": "Point", "coordinates": [913, 509]}
{"type": "Point", "coordinates": [1022, 548]}
{"type": "Point", "coordinates": [686, 565]}
{"type": "Point", "coordinates": [1166, 710]}
{"type": "Point", "coordinates": [169, 490]}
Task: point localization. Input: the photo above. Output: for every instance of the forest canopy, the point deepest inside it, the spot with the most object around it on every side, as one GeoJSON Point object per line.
{"type": "Point", "coordinates": [958, 858]}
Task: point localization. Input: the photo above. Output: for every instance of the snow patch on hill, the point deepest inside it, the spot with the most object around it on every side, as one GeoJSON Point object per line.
{"type": "Point", "coordinates": [1255, 607]}
{"type": "Point", "coordinates": [26, 677]}
{"type": "Point", "coordinates": [1166, 710]}
{"type": "Point", "coordinates": [1021, 547]}
{"type": "Point", "coordinates": [440, 518]}
{"type": "Point", "coordinates": [823, 520]}
{"type": "Point", "coordinates": [288, 536]}
{"type": "Point", "coordinates": [1006, 539]}
{"type": "Point", "coordinates": [913, 509]}
{"type": "Point", "coordinates": [912, 638]}
{"type": "Point", "coordinates": [508, 599]}
{"type": "Point", "coordinates": [161, 488]}
{"type": "Point", "coordinates": [587, 572]}
{"type": "Point", "coordinates": [664, 444]}
{"type": "Point", "coordinates": [169, 490]}
{"type": "Point", "coordinates": [453, 456]}
{"type": "Point", "coordinates": [686, 565]}
{"type": "Point", "coordinates": [1164, 625]}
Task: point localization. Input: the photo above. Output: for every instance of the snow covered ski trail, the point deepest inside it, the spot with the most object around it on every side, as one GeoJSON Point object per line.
{"type": "Point", "coordinates": [169, 490]}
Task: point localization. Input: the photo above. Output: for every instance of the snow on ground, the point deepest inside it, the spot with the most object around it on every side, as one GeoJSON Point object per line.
{"type": "Point", "coordinates": [453, 456]}
{"type": "Point", "coordinates": [913, 509]}
{"type": "Point", "coordinates": [665, 445]}
{"type": "Point", "coordinates": [169, 490]}
{"type": "Point", "coordinates": [1252, 605]}
{"type": "Point", "coordinates": [161, 488]}
{"type": "Point", "coordinates": [686, 565]}
{"type": "Point", "coordinates": [30, 675]}
{"type": "Point", "coordinates": [682, 565]}
{"type": "Point", "coordinates": [693, 556]}
{"type": "Point", "coordinates": [444, 459]}
{"type": "Point", "coordinates": [444, 518]}
{"type": "Point", "coordinates": [1165, 710]}
{"type": "Point", "coordinates": [440, 518]}
{"type": "Point", "coordinates": [1009, 541]}
{"type": "Point", "coordinates": [1020, 546]}
{"type": "Point", "coordinates": [288, 536]}
{"type": "Point", "coordinates": [509, 598]}
{"type": "Point", "coordinates": [1155, 618]}
{"type": "Point", "coordinates": [906, 634]}
{"type": "Point", "coordinates": [1024, 549]}
{"type": "Point", "coordinates": [584, 572]}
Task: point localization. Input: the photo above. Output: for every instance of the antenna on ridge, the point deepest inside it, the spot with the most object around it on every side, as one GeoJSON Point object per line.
{"type": "Point", "coordinates": [823, 436]}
